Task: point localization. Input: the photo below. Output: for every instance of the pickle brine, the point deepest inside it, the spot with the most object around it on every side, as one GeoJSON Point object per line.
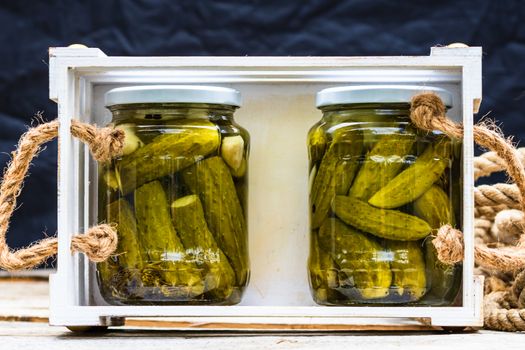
{"type": "Point", "coordinates": [379, 188]}
{"type": "Point", "coordinates": [178, 198]}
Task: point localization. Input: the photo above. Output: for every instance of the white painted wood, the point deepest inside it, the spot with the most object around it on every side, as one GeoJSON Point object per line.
{"type": "Point", "coordinates": [265, 63]}
{"type": "Point", "coordinates": [75, 52]}
{"type": "Point", "coordinates": [453, 51]}
{"type": "Point", "coordinates": [283, 315]}
{"type": "Point", "coordinates": [62, 52]}
{"type": "Point", "coordinates": [278, 109]}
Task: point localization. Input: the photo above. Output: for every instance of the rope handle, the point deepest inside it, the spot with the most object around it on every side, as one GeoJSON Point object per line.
{"type": "Point", "coordinates": [429, 113]}
{"type": "Point", "coordinates": [504, 306]}
{"type": "Point", "coordinates": [98, 242]}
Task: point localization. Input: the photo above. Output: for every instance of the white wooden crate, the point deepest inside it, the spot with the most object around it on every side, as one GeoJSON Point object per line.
{"type": "Point", "coordinates": [278, 109]}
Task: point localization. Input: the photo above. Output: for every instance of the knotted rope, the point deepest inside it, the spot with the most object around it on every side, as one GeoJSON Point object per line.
{"type": "Point", "coordinates": [505, 306]}
{"type": "Point", "coordinates": [429, 113]}
{"type": "Point", "coordinates": [499, 212]}
{"type": "Point", "coordinates": [100, 241]}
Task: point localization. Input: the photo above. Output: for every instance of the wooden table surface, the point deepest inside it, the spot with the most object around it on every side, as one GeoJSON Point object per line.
{"type": "Point", "coordinates": [23, 325]}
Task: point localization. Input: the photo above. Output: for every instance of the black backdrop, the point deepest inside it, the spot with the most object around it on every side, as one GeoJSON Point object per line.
{"type": "Point", "coordinates": [357, 27]}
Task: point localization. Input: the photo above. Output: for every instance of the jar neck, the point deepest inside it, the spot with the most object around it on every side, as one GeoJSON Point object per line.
{"type": "Point", "coordinates": [171, 111]}
{"type": "Point", "coordinates": [367, 112]}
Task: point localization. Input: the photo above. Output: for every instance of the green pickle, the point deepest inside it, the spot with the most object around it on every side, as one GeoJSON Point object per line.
{"type": "Point", "coordinates": [335, 173]}
{"type": "Point", "coordinates": [383, 162]}
{"type": "Point", "coordinates": [416, 179]}
{"type": "Point", "coordinates": [188, 217]}
{"type": "Point", "coordinates": [161, 244]}
{"type": "Point", "coordinates": [323, 273]}
{"type": "Point", "coordinates": [408, 269]}
{"type": "Point", "coordinates": [316, 144]}
{"type": "Point", "coordinates": [435, 207]}
{"type": "Point", "coordinates": [384, 223]}
{"type": "Point", "coordinates": [211, 180]}
{"type": "Point", "coordinates": [177, 196]}
{"type": "Point", "coordinates": [179, 149]}
{"type": "Point", "coordinates": [379, 190]}
{"type": "Point", "coordinates": [358, 257]}
{"type": "Point", "coordinates": [122, 272]}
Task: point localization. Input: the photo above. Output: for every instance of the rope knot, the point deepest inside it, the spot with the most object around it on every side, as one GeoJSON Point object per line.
{"type": "Point", "coordinates": [508, 226]}
{"type": "Point", "coordinates": [104, 143]}
{"type": "Point", "coordinates": [98, 243]}
{"type": "Point", "coordinates": [518, 289]}
{"type": "Point", "coordinates": [449, 245]}
{"type": "Point", "coordinates": [428, 112]}
{"type": "Point", "coordinates": [107, 143]}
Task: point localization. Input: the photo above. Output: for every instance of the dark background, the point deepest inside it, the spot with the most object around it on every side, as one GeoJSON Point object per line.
{"type": "Point", "coordinates": [344, 28]}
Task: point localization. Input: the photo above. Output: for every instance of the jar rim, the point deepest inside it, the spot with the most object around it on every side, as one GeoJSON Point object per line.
{"type": "Point", "coordinates": [359, 94]}
{"type": "Point", "coordinates": [172, 94]}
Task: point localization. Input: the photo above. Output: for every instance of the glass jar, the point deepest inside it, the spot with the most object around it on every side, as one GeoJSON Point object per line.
{"type": "Point", "coordinates": [379, 187]}
{"type": "Point", "coordinates": [179, 197]}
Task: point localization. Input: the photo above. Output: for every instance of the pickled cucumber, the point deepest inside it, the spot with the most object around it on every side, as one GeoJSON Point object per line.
{"type": "Point", "coordinates": [167, 154]}
{"type": "Point", "coordinates": [389, 224]}
{"type": "Point", "coordinates": [383, 162]}
{"type": "Point", "coordinates": [358, 256]}
{"type": "Point", "coordinates": [408, 268]}
{"type": "Point", "coordinates": [434, 207]}
{"type": "Point", "coordinates": [129, 250]}
{"type": "Point", "coordinates": [188, 216]}
{"type": "Point", "coordinates": [316, 144]}
{"type": "Point", "coordinates": [335, 174]}
{"type": "Point", "coordinates": [211, 180]}
{"type": "Point", "coordinates": [160, 242]}
{"type": "Point", "coordinates": [416, 179]}
{"type": "Point", "coordinates": [445, 280]}
{"type": "Point", "coordinates": [323, 272]}
{"type": "Point", "coordinates": [121, 273]}
{"type": "Point", "coordinates": [112, 277]}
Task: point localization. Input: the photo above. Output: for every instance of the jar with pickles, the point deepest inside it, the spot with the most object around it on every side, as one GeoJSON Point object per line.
{"type": "Point", "coordinates": [379, 188]}
{"type": "Point", "coordinates": [178, 195]}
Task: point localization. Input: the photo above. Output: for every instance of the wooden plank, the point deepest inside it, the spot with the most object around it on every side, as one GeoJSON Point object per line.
{"type": "Point", "coordinates": [15, 336]}
{"type": "Point", "coordinates": [40, 274]}
{"type": "Point", "coordinates": [24, 298]}
{"type": "Point", "coordinates": [262, 327]}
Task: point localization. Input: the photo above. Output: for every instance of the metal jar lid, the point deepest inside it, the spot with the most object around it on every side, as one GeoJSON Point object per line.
{"type": "Point", "coordinates": [377, 94]}
{"type": "Point", "coordinates": [173, 94]}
